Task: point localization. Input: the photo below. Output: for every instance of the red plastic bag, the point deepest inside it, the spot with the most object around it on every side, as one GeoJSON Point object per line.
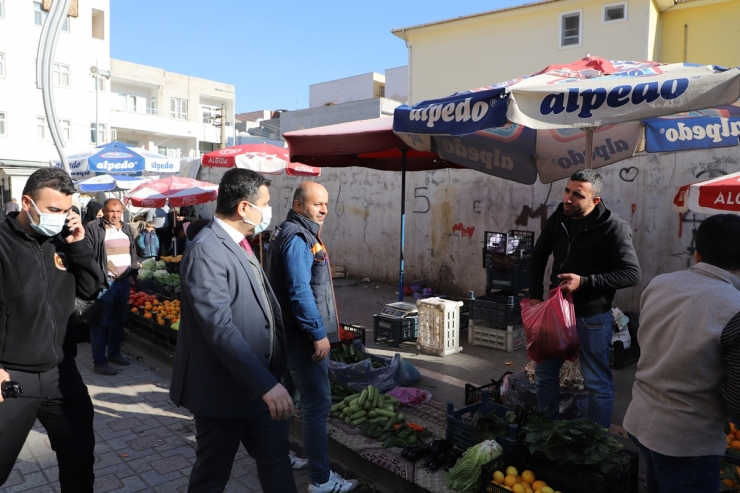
{"type": "Point", "coordinates": [550, 328]}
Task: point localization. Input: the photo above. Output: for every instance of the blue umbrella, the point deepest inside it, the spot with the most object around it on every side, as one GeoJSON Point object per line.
{"type": "Point", "coordinates": [108, 183]}
{"type": "Point", "coordinates": [118, 158]}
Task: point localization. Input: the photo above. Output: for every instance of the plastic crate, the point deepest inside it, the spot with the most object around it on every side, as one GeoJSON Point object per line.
{"type": "Point", "coordinates": [461, 433]}
{"type": "Point", "coordinates": [474, 393]}
{"type": "Point", "coordinates": [505, 460]}
{"type": "Point", "coordinates": [439, 326]}
{"type": "Point", "coordinates": [501, 310]}
{"type": "Point", "coordinates": [357, 330]}
{"type": "Point", "coordinates": [620, 357]}
{"type": "Point", "coordinates": [464, 308]}
{"type": "Point", "coordinates": [509, 243]}
{"type": "Point", "coordinates": [585, 479]}
{"type": "Point", "coordinates": [164, 338]}
{"type": "Point", "coordinates": [464, 321]}
{"type": "Point", "coordinates": [395, 330]}
{"type": "Point", "coordinates": [485, 333]}
{"type": "Point", "coordinates": [502, 261]}
{"type": "Point", "coordinates": [507, 281]}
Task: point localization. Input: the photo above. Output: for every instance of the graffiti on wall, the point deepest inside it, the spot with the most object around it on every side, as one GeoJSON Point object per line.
{"type": "Point", "coordinates": [529, 213]}
{"type": "Point", "coordinates": [460, 228]}
{"type": "Point", "coordinates": [628, 174]}
{"type": "Point", "coordinates": [418, 195]}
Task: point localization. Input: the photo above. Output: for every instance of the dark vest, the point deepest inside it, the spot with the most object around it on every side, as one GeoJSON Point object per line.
{"type": "Point", "coordinates": [321, 284]}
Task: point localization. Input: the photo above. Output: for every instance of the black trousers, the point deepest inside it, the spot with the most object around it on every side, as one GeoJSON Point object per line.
{"type": "Point", "coordinates": [265, 439]}
{"type": "Point", "coordinates": [165, 239]}
{"type": "Point", "coordinates": [67, 415]}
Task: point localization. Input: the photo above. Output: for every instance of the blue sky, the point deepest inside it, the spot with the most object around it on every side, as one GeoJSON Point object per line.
{"type": "Point", "coordinates": [272, 50]}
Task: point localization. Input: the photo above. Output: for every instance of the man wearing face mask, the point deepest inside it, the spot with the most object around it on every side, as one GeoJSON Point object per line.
{"type": "Point", "coordinates": [299, 273]}
{"type": "Point", "coordinates": [231, 348]}
{"type": "Point", "coordinates": [44, 263]}
{"type": "Point", "coordinates": [115, 250]}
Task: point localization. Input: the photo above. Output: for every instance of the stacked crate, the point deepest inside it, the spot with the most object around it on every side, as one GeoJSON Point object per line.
{"type": "Point", "coordinates": [496, 318]}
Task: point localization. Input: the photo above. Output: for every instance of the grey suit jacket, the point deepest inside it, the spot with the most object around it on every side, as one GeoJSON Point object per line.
{"type": "Point", "coordinates": [227, 355]}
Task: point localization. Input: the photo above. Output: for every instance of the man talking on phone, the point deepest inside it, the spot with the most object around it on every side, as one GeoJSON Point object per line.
{"type": "Point", "coordinates": [44, 263]}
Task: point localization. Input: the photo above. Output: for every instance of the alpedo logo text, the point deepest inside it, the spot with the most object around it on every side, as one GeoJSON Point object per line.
{"type": "Point", "coordinates": [448, 112]}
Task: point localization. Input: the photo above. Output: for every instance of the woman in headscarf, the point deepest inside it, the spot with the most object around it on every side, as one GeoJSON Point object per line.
{"type": "Point", "coordinates": [94, 210]}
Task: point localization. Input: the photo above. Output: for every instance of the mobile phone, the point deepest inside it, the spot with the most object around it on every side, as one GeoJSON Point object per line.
{"type": "Point", "coordinates": [65, 229]}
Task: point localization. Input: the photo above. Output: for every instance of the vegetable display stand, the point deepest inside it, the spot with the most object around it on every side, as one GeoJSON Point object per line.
{"type": "Point", "coordinates": [164, 337]}
{"type": "Point", "coordinates": [513, 459]}
{"type": "Point", "coordinates": [485, 333]}
{"type": "Point", "coordinates": [620, 357]}
{"type": "Point", "coordinates": [350, 332]}
{"type": "Point", "coordinates": [439, 326]}
{"type": "Point", "coordinates": [474, 393]}
{"type": "Point", "coordinates": [501, 310]}
{"type": "Point", "coordinates": [461, 433]}
{"type": "Point", "coordinates": [395, 330]}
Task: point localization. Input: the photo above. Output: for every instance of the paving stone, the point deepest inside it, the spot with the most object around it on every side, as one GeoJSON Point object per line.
{"type": "Point", "coordinates": [169, 464]}
{"type": "Point", "coordinates": [124, 424]}
{"type": "Point", "coordinates": [153, 478]}
{"type": "Point", "coordinates": [30, 482]}
{"type": "Point", "coordinates": [108, 482]}
{"type": "Point", "coordinates": [175, 486]}
{"type": "Point", "coordinates": [14, 478]}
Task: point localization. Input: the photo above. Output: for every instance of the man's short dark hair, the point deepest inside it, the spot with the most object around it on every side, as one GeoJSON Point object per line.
{"type": "Point", "coordinates": [300, 195]}
{"type": "Point", "coordinates": [590, 176]}
{"type": "Point", "coordinates": [111, 200]}
{"type": "Point", "coordinates": [54, 178]}
{"type": "Point", "coordinates": [237, 185]}
{"type": "Point", "coordinates": [718, 241]}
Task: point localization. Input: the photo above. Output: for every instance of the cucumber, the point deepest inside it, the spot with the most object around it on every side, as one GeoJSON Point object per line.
{"type": "Point", "coordinates": [363, 397]}
{"type": "Point", "coordinates": [353, 409]}
{"type": "Point", "coordinates": [351, 397]}
{"type": "Point", "coordinates": [358, 415]}
{"type": "Point", "coordinates": [367, 404]}
{"type": "Point", "coordinates": [386, 413]}
{"type": "Point", "coordinates": [358, 421]}
{"type": "Point", "coordinates": [335, 407]}
{"type": "Point", "coordinates": [381, 401]}
{"type": "Point", "coordinates": [379, 419]}
{"type": "Point", "coordinates": [376, 397]}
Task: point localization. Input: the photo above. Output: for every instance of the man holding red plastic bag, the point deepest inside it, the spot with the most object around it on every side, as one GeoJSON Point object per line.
{"type": "Point", "coordinates": [593, 256]}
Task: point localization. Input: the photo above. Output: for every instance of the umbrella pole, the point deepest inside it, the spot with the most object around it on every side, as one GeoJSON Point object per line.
{"type": "Point", "coordinates": [403, 223]}
{"type": "Point", "coordinates": [589, 147]}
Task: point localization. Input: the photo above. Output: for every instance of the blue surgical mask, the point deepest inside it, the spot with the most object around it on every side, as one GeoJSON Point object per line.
{"type": "Point", "coordinates": [49, 224]}
{"type": "Point", "coordinates": [266, 218]}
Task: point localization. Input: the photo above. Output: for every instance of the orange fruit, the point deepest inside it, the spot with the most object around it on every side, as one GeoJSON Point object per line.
{"type": "Point", "coordinates": [735, 444]}
{"type": "Point", "coordinates": [538, 485]}
{"type": "Point", "coordinates": [737, 434]}
{"type": "Point", "coordinates": [733, 429]}
{"type": "Point", "coordinates": [528, 476]}
{"type": "Point", "coordinates": [510, 480]}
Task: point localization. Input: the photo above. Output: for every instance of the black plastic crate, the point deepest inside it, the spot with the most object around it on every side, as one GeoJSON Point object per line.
{"type": "Point", "coordinates": [164, 338]}
{"type": "Point", "coordinates": [464, 320]}
{"type": "Point", "coordinates": [508, 243]}
{"type": "Point", "coordinates": [357, 330]}
{"type": "Point", "coordinates": [474, 394]}
{"type": "Point", "coordinates": [519, 258]}
{"type": "Point", "coordinates": [511, 281]}
{"type": "Point", "coordinates": [501, 310]}
{"type": "Point", "coordinates": [461, 433]}
{"type": "Point", "coordinates": [620, 357]}
{"type": "Point", "coordinates": [395, 330]}
{"type": "Point", "coordinates": [505, 460]}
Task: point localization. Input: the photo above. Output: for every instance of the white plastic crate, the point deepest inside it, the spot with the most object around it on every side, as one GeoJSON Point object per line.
{"type": "Point", "coordinates": [439, 326]}
{"type": "Point", "coordinates": [483, 333]}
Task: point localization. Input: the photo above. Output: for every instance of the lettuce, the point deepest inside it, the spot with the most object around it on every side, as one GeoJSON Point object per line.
{"type": "Point", "coordinates": [464, 476]}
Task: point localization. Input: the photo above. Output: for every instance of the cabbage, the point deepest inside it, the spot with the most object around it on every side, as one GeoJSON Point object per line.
{"type": "Point", "coordinates": [159, 265]}
{"type": "Point", "coordinates": [148, 264]}
{"type": "Point", "coordinates": [464, 476]}
{"type": "Point", "coordinates": [145, 275]}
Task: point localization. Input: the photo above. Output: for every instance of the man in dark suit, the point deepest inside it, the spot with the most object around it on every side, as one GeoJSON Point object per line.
{"type": "Point", "coordinates": [231, 348]}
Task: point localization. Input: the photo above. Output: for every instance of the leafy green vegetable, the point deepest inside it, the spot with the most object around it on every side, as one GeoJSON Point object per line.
{"type": "Point", "coordinates": [465, 475]}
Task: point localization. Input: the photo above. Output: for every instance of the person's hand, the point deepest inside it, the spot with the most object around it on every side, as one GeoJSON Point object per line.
{"type": "Point", "coordinates": [4, 377]}
{"type": "Point", "coordinates": [74, 223]}
{"type": "Point", "coordinates": [322, 349]}
{"type": "Point", "coordinates": [534, 301]}
{"type": "Point", "coordinates": [279, 402]}
{"type": "Point", "coordinates": [569, 282]}
{"type": "Point", "coordinates": [180, 218]}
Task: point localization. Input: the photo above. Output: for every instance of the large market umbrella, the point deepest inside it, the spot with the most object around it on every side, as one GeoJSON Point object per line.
{"type": "Point", "coordinates": [566, 117]}
{"type": "Point", "coordinates": [263, 158]}
{"type": "Point", "coordinates": [716, 196]}
{"type": "Point", "coordinates": [369, 144]}
{"type": "Point", "coordinates": [118, 158]}
{"type": "Point", "coordinates": [109, 183]}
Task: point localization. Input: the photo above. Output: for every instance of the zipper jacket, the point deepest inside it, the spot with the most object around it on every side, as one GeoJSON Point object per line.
{"type": "Point", "coordinates": [38, 283]}
{"type": "Point", "coordinates": [601, 253]}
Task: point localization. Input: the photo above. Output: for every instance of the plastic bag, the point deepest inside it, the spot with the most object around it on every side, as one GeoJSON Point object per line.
{"type": "Point", "coordinates": [357, 376]}
{"type": "Point", "coordinates": [409, 396]}
{"type": "Point", "coordinates": [550, 328]}
{"type": "Point", "coordinates": [516, 390]}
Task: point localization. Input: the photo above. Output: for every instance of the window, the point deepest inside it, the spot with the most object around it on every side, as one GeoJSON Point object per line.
{"type": "Point", "coordinates": [570, 29]}
{"type": "Point", "coordinates": [152, 109]}
{"type": "Point", "coordinates": [179, 109]}
{"type": "Point", "coordinates": [100, 134]}
{"type": "Point", "coordinates": [98, 24]}
{"type": "Point", "coordinates": [3, 121]}
{"type": "Point", "coordinates": [615, 12]}
{"type": "Point", "coordinates": [66, 128]}
{"type": "Point", "coordinates": [381, 91]}
{"type": "Point", "coordinates": [132, 143]}
{"type": "Point", "coordinates": [98, 83]}
{"type": "Point", "coordinates": [2, 65]}
{"type": "Point", "coordinates": [128, 102]}
{"type": "Point", "coordinates": [2, 9]}
{"type": "Point", "coordinates": [39, 15]}
{"type": "Point", "coordinates": [61, 75]}
{"type": "Point", "coordinates": [210, 114]}
{"type": "Point", "coordinates": [40, 127]}
{"type": "Point", "coordinates": [171, 152]}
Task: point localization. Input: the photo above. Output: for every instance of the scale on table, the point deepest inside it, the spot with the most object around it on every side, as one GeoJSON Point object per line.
{"type": "Point", "coordinates": [399, 310]}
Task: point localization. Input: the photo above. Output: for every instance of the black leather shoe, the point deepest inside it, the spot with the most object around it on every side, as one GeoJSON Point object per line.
{"type": "Point", "coordinates": [105, 369]}
{"type": "Point", "coordinates": [119, 360]}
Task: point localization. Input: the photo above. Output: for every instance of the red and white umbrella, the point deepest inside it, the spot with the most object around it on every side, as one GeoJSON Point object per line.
{"type": "Point", "coordinates": [717, 196]}
{"type": "Point", "coordinates": [262, 158]}
{"type": "Point", "coordinates": [175, 190]}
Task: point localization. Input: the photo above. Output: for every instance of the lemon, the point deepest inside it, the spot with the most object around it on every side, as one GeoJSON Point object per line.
{"type": "Point", "coordinates": [547, 489]}
{"type": "Point", "coordinates": [511, 470]}
{"type": "Point", "coordinates": [498, 477]}
{"type": "Point", "coordinates": [518, 488]}
{"type": "Point", "coordinates": [538, 485]}
{"type": "Point", "coordinates": [528, 490]}
{"type": "Point", "coordinates": [528, 476]}
{"type": "Point", "coordinates": [510, 480]}
{"type": "Point", "coordinates": [507, 488]}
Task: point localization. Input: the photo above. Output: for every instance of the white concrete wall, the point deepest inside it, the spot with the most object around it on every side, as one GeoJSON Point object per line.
{"type": "Point", "coordinates": [362, 229]}
{"type": "Point", "coordinates": [345, 90]}
{"type": "Point", "coordinates": [397, 83]}
{"type": "Point", "coordinates": [340, 113]}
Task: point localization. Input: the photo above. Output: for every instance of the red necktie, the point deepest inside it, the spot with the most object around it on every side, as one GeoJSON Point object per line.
{"type": "Point", "coordinates": [246, 246]}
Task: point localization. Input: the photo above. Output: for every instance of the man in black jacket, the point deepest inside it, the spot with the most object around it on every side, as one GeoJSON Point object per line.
{"type": "Point", "coordinates": [593, 256]}
{"type": "Point", "coordinates": [41, 270]}
{"type": "Point", "coordinates": [112, 242]}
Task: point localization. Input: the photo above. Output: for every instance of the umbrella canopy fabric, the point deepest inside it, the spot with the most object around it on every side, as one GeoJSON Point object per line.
{"type": "Point", "coordinates": [262, 158]}
{"type": "Point", "coordinates": [364, 143]}
{"type": "Point", "coordinates": [108, 183]}
{"type": "Point", "coordinates": [119, 158]}
{"type": "Point", "coordinates": [716, 196]}
{"type": "Point", "coordinates": [174, 190]}
{"type": "Point", "coordinates": [540, 119]}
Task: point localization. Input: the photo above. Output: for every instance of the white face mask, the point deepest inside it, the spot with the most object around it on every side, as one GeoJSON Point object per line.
{"type": "Point", "coordinates": [49, 224]}
{"type": "Point", "coordinates": [266, 218]}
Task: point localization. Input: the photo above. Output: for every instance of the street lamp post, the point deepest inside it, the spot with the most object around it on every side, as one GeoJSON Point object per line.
{"type": "Point", "coordinates": [96, 72]}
